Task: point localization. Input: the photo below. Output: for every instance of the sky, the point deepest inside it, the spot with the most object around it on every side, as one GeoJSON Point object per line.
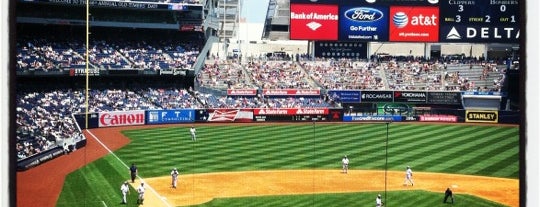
{"type": "Point", "coordinates": [254, 10]}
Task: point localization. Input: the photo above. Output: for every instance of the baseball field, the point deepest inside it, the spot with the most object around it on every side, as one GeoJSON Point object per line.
{"type": "Point", "coordinates": [300, 165]}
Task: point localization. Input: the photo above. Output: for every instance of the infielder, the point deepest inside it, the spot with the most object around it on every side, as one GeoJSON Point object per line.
{"type": "Point", "coordinates": [125, 190]}
{"type": "Point", "coordinates": [408, 176]}
{"type": "Point", "coordinates": [140, 190]}
{"type": "Point", "coordinates": [378, 201]}
{"type": "Point", "coordinates": [345, 164]}
{"type": "Point", "coordinates": [193, 132]}
{"type": "Point", "coordinates": [174, 177]}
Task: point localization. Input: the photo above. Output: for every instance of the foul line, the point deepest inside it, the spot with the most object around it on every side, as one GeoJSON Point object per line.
{"type": "Point", "coordinates": [125, 165]}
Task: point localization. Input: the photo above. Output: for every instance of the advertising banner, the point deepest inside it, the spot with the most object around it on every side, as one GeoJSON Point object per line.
{"type": "Point", "coordinates": [414, 24]}
{"type": "Point", "coordinates": [410, 96]}
{"type": "Point", "coordinates": [337, 50]}
{"type": "Point", "coordinates": [438, 118]}
{"type": "Point", "coordinates": [121, 118]}
{"type": "Point", "coordinates": [363, 23]}
{"type": "Point", "coordinates": [381, 118]}
{"type": "Point", "coordinates": [230, 115]}
{"type": "Point", "coordinates": [290, 111]}
{"type": "Point", "coordinates": [377, 96]}
{"type": "Point", "coordinates": [291, 92]}
{"type": "Point", "coordinates": [313, 22]}
{"type": "Point", "coordinates": [241, 92]}
{"type": "Point", "coordinates": [394, 108]}
{"type": "Point", "coordinates": [450, 98]}
{"type": "Point", "coordinates": [482, 116]}
{"type": "Point", "coordinates": [480, 34]}
{"type": "Point", "coordinates": [345, 96]}
{"type": "Point", "coordinates": [170, 116]}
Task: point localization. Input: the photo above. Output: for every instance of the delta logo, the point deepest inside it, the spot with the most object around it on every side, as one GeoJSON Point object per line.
{"type": "Point", "coordinates": [414, 23]}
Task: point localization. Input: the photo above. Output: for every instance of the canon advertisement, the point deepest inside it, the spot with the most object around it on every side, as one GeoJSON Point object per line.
{"type": "Point", "coordinates": [121, 118]}
{"type": "Point", "coordinates": [410, 96]}
{"type": "Point", "coordinates": [314, 22]}
{"type": "Point", "coordinates": [170, 116]}
{"type": "Point", "coordinates": [363, 23]}
{"type": "Point", "coordinates": [414, 24]}
{"type": "Point", "coordinates": [377, 96]}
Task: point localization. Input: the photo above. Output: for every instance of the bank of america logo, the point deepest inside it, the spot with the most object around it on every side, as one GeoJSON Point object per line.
{"type": "Point", "coordinates": [453, 34]}
{"type": "Point", "coordinates": [314, 25]}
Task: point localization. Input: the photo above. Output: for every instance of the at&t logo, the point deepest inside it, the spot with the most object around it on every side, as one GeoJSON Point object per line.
{"type": "Point", "coordinates": [401, 19]}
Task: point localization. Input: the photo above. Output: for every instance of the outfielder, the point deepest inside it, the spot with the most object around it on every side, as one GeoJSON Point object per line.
{"type": "Point", "coordinates": [140, 190]}
{"type": "Point", "coordinates": [408, 176]}
{"type": "Point", "coordinates": [345, 164]}
{"type": "Point", "coordinates": [125, 190]}
{"type": "Point", "coordinates": [193, 132]}
{"type": "Point", "coordinates": [174, 177]}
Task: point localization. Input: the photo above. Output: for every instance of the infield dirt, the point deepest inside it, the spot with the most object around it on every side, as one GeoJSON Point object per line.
{"type": "Point", "coordinates": [201, 188]}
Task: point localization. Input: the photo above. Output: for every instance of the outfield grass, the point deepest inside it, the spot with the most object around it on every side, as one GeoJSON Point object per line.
{"type": "Point", "coordinates": [394, 198]}
{"type": "Point", "coordinates": [461, 149]}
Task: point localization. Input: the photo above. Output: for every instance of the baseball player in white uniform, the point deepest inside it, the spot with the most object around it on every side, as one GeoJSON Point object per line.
{"type": "Point", "coordinates": [345, 164]}
{"type": "Point", "coordinates": [193, 132]}
{"type": "Point", "coordinates": [125, 190]}
{"type": "Point", "coordinates": [140, 190]}
{"type": "Point", "coordinates": [174, 177]}
{"type": "Point", "coordinates": [408, 176]}
{"type": "Point", "coordinates": [378, 201]}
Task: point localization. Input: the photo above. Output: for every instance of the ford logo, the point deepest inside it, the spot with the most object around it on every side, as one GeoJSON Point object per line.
{"type": "Point", "coordinates": [364, 14]}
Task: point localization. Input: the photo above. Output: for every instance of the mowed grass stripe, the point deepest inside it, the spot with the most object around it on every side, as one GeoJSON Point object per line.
{"type": "Point", "coordinates": [468, 141]}
{"type": "Point", "coordinates": [463, 156]}
{"type": "Point", "coordinates": [304, 146]}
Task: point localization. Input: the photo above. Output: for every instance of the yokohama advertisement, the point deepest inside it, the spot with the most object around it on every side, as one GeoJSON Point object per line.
{"type": "Point", "coordinates": [230, 115]}
{"type": "Point", "coordinates": [121, 118]}
{"type": "Point", "coordinates": [314, 22]}
{"type": "Point", "coordinates": [414, 24]}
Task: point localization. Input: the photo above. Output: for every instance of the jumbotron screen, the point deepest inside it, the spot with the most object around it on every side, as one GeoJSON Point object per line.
{"type": "Point", "coordinates": [468, 21]}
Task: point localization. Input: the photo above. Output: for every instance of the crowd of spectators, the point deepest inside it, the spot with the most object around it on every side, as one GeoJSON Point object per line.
{"type": "Point", "coordinates": [224, 75]}
{"type": "Point", "coordinates": [165, 54]}
{"type": "Point", "coordinates": [344, 74]}
{"type": "Point", "coordinates": [279, 75]}
{"type": "Point", "coordinates": [44, 119]}
{"type": "Point", "coordinates": [413, 75]}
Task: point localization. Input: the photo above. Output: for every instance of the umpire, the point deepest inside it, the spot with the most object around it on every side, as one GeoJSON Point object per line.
{"type": "Point", "coordinates": [448, 194]}
{"type": "Point", "coordinates": [133, 171]}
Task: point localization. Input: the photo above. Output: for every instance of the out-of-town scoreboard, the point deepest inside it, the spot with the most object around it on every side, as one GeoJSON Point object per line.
{"type": "Point", "coordinates": [494, 21]}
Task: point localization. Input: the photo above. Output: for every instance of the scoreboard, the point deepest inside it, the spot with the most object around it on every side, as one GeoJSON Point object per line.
{"type": "Point", "coordinates": [479, 21]}
{"type": "Point", "coordinates": [468, 21]}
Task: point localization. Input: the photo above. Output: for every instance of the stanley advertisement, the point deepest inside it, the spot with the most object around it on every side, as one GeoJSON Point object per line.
{"type": "Point", "coordinates": [482, 116]}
